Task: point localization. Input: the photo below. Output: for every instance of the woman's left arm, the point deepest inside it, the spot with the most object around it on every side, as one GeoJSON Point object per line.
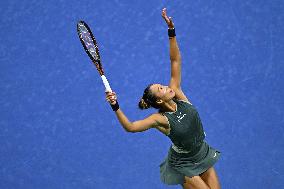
{"type": "Point", "coordinates": [175, 57]}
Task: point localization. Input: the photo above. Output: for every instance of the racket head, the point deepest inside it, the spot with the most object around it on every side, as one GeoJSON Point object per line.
{"type": "Point", "coordinates": [90, 44]}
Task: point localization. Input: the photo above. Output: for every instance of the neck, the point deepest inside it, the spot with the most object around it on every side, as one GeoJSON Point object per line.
{"type": "Point", "coordinates": [169, 106]}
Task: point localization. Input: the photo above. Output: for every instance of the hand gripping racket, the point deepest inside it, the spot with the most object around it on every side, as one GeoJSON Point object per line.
{"type": "Point", "coordinates": [91, 47]}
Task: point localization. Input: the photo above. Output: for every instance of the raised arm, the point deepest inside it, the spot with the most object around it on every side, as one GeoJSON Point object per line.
{"type": "Point", "coordinates": [175, 57]}
{"type": "Point", "coordinates": [137, 126]}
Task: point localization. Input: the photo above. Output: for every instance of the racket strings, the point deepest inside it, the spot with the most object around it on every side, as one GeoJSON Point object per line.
{"type": "Point", "coordinates": [88, 41]}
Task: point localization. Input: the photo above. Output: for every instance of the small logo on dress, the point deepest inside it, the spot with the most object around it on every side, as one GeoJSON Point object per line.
{"type": "Point", "coordinates": [180, 116]}
{"type": "Point", "coordinates": [215, 154]}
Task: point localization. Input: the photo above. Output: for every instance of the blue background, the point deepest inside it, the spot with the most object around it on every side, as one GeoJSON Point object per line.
{"type": "Point", "coordinates": [57, 130]}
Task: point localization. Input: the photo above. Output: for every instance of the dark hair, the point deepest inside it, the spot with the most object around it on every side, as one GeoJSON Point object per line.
{"type": "Point", "coordinates": [148, 100]}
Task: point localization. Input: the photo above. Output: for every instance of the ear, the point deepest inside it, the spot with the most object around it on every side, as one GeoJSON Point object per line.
{"type": "Point", "coordinates": [159, 102]}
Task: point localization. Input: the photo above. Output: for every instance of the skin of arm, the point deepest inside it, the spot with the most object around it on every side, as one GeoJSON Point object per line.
{"type": "Point", "coordinates": [136, 126]}
{"type": "Point", "coordinates": [175, 57]}
{"type": "Point", "coordinates": [153, 121]}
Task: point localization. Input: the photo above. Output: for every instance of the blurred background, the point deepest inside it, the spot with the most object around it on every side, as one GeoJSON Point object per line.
{"type": "Point", "coordinates": [57, 131]}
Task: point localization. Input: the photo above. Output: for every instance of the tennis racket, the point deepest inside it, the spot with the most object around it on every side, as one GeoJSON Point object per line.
{"type": "Point", "coordinates": [91, 47]}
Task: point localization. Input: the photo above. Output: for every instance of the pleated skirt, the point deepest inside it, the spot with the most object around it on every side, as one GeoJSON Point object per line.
{"type": "Point", "coordinates": [178, 165]}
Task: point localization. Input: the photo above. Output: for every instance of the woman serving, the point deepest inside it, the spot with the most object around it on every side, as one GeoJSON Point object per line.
{"type": "Point", "coordinates": [190, 159]}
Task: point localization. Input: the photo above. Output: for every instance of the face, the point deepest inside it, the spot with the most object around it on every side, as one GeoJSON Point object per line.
{"type": "Point", "coordinates": [162, 92]}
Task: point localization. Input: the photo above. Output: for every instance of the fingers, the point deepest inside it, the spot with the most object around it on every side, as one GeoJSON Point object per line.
{"type": "Point", "coordinates": [169, 20]}
{"type": "Point", "coordinates": [164, 14]}
{"type": "Point", "coordinates": [111, 97]}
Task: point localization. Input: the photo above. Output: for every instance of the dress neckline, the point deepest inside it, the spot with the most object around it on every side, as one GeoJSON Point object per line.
{"type": "Point", "coordinates": [175, 110]}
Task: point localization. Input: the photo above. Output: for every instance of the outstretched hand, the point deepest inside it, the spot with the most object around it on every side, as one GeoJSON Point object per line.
{"type": "Point", "coordinates": [168, 20]}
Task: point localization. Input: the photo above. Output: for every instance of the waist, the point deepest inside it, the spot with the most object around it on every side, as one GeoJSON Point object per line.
{"type": "Point", "coordinates": [180, 150]}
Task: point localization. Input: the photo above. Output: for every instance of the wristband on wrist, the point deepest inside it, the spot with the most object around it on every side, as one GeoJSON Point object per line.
{"type": "Point", "coordinates": [115, 106]}
{"type": "Point", "coordinates": [171, 32]}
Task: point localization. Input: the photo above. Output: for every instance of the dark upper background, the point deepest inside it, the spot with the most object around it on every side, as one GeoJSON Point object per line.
{"type": "Point", "coordinates": [57, 131]}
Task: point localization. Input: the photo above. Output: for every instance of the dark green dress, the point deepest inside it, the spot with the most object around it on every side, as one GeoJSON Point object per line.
{"type": "Point", "coordinates": [189, 154]}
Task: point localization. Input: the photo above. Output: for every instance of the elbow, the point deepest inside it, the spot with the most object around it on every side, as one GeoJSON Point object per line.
{"type": "Point", "coordinates": [129, 128]}
{"type": "Point", "coordinates": [130, 131]}
{"type": "Point", "coordinates": [176, 59]}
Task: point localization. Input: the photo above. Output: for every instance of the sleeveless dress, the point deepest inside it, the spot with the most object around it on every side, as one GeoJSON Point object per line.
{"type": "Point", "coordinates": [189, 155]}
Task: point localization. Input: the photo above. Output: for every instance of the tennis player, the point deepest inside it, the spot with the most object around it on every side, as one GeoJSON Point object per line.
{"type": "Point", "coordinates": [190, 159]}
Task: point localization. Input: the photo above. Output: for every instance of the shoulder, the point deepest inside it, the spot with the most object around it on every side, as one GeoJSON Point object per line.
{"type": "Point", "coordinates": [162, 123]}
{"type": "Point", "coordinates": [160, 119]}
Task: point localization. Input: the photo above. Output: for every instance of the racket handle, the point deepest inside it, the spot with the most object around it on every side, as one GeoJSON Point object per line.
{"type": "Point", "coordinates": [106, 83]}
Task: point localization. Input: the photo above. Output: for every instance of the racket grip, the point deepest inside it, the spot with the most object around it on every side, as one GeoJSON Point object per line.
{"type": "Point", "coordinates": [106, 83]}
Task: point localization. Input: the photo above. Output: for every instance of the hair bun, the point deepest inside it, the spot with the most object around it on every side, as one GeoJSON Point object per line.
{"type": "Point", "coordinates": [143, 105]}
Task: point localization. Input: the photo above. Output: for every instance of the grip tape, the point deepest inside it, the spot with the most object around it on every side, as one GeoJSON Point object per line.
{"type": "Point", "coordinates": [106, 83]}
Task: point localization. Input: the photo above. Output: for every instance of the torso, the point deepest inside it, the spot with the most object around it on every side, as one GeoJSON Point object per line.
{"type": "Point", "coordinates": [163, 125]}
{"type": "Point", "coordinates": [183, 126]}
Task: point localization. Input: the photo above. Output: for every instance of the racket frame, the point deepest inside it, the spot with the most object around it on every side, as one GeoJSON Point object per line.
{"type": "Point", "coordinates": [96, 62]}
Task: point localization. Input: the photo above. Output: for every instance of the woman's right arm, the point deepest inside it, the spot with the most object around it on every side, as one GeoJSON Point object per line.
{"type": "Point", "coordinates": [138, 126]}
